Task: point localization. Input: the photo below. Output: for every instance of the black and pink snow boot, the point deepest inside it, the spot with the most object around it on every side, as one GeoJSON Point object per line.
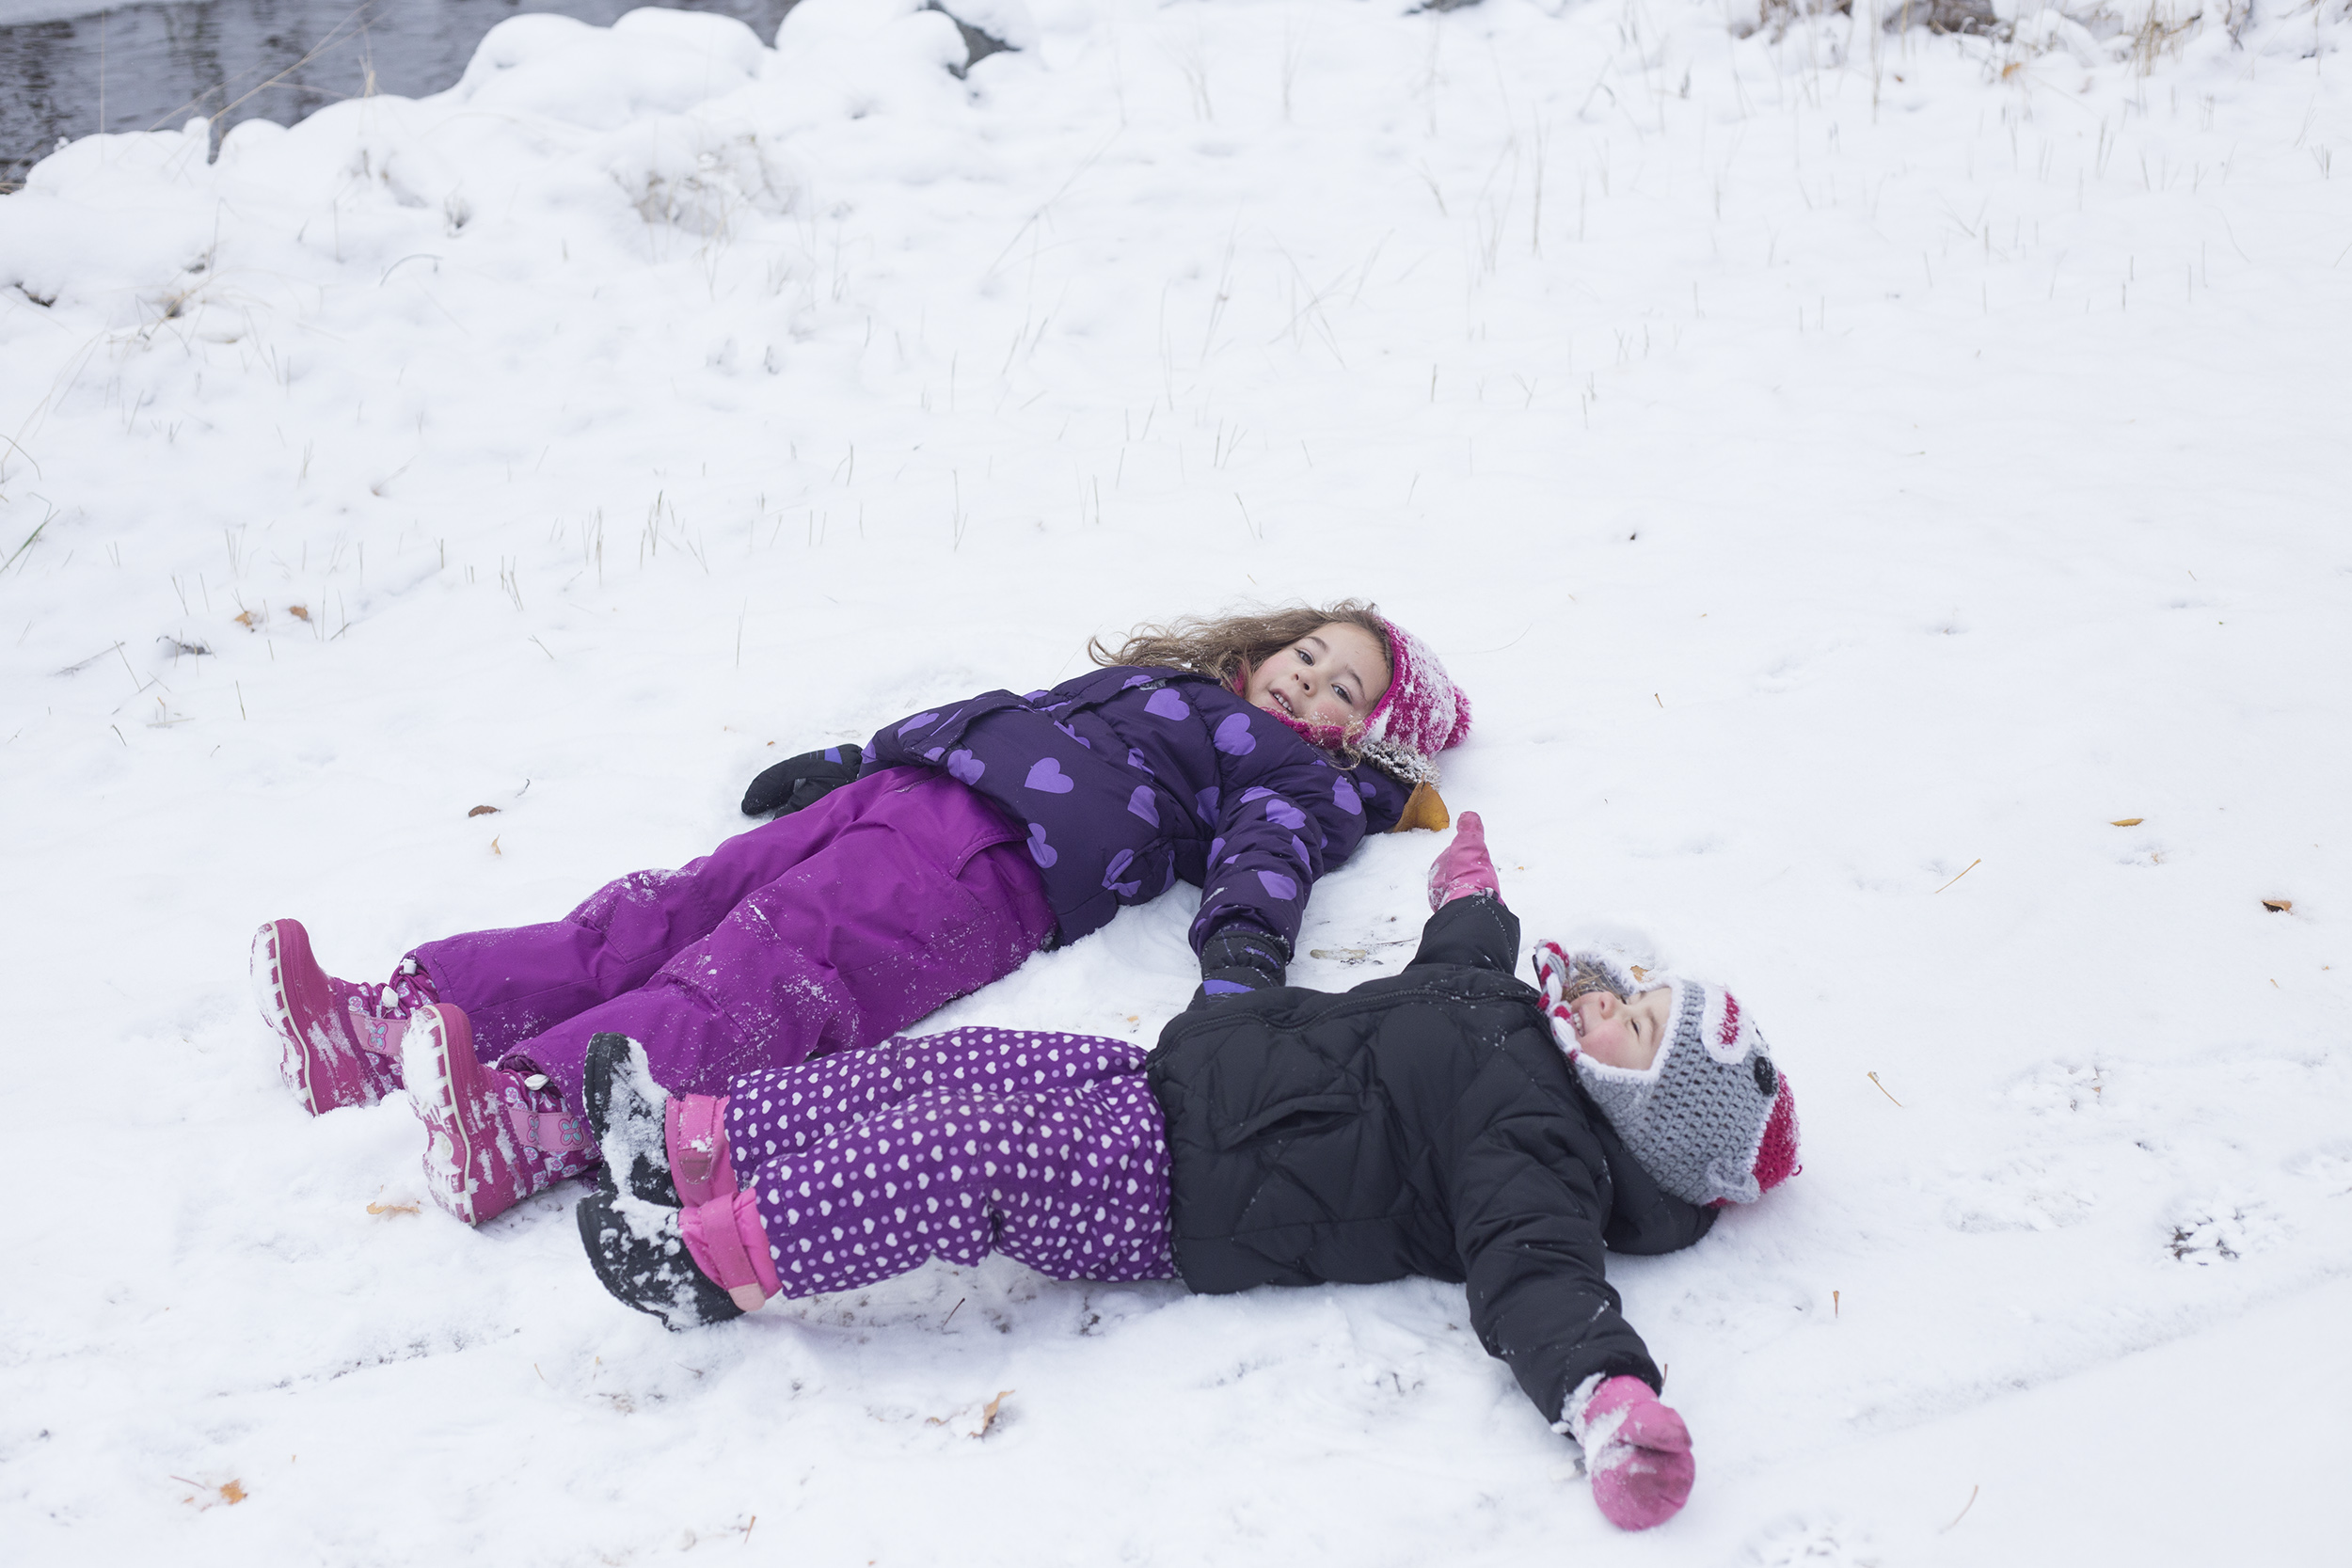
{"type": "Point", "coordinates": [338, 1043]}
{"type": "Point", "coordinates": [640, 1254]}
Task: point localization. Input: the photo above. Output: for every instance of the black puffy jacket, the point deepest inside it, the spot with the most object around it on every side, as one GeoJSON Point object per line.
{"type": "Point", "coordinates": [1423, 1124]}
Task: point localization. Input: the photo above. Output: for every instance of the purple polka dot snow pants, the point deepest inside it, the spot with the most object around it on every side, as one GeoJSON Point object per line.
{"type": "Point", "coordinates": [829, 929]}
{"type": "Point", "coordinates": [1049, 1148]}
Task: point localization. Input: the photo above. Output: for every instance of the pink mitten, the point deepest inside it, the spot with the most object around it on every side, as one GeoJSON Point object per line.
{"type": "Point", "coordinates": [1462, 866]}
{"type": "Point", "coordinates": [1636, 1451]}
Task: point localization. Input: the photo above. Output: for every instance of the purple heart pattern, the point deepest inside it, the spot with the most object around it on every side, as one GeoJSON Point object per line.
{"type": "Point", "coordinates": [1045, 775]}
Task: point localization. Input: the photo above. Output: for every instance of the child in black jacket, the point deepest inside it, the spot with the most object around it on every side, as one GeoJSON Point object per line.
{"type": "Point", "coordinates": [1449, 1121]}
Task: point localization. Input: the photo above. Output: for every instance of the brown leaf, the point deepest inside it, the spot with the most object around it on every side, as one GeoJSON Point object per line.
{"type": "Point", "coordinates": [298, 612]}
{"type": "Point", "coordinates": [232, 1493]}
{"type": "Point", "coordinates": [1423, 808]}
{"type": "Point", "coordinates": [246, 620]}
{"type": "Point", "coordinates": [483, 811]}
{"type": "Point", "coordinates": [2127, 822]}
{"type": "Point", "coordinates": [988, 1411]}
{"type": "Point", "coordinates": [494, 846]}
{"type": "Point", "coordinates": [2278, 906]}
{"type": "Point", "coordinates": [392, 1207]}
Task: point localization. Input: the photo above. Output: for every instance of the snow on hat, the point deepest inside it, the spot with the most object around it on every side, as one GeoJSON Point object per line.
{"type": "Point", "coordinates": [1711, 1117]}
{"type": "Point", "coordinates": [1422, 713]}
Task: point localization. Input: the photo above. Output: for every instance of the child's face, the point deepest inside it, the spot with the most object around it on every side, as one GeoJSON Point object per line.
{"type": "Point", "coordinates": [1622, 1033]}
{"type": "Point", "coordinates": [1329, 678]}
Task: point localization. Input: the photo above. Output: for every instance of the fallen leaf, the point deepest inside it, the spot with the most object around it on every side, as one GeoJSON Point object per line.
{"type": "Point", "coordinates": [959, 1418]}
{"type": "Point", "coordinates": [1640, 974]}
{"type": "Point", "coordinates": [2127, 822]}
{"type": "Point", "coordinates": [2278, 906]}
{"type": "Point", "coordinates": [1423, 808]}
{"type": "Point", "coordinates": [494, 846]}
{"type": "Point", "coordinates": [246, 620]}
{"type": "Point", "coordinates": [298, 612]}
{"type": "Point", "coordinates": [483, 811]}
{"type": "Point", "coordinates": [392, 1207]}
{"type": "Point", "coordinates": [207, 1497]}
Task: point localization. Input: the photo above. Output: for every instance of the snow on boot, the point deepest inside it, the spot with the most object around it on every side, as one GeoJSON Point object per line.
{"type": "Point", "coordinates": [629, 1113]}
{"type": "Point", "coordinates": [640, 1255]}
{"type": "Point", "coordinates": [338, 1044]}
{"type": "Point", "coordinates": [493, 1136]}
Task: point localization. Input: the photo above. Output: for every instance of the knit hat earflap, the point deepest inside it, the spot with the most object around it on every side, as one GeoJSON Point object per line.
{"type": "Point", "coordinates": [1422, 713]}
{"type": "Point", "coordinates": [1711, 1117]}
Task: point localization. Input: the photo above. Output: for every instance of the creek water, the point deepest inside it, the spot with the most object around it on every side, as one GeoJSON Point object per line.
{"type": "Point", "coordinates": [154, 67]}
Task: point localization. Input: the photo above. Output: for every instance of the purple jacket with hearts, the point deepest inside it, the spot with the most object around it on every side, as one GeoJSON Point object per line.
{"type": "Point", "coordinates": [1128, 779]}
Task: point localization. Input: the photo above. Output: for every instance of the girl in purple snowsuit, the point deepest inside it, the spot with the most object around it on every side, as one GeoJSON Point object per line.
{"type": "Point", "coordinates": [1246, 754]}
{"type": "Point", "coordinates": [1448, 1122]}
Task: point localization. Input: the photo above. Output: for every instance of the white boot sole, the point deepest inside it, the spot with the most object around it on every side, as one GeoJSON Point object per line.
{"type": "Point", "coordinates": [269, 995]}
{"type": "Point", "coordinates": [424, 1064]}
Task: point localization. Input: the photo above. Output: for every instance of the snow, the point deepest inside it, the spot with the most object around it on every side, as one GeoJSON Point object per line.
{"type": "Point", "coordinates": [1849, 471]}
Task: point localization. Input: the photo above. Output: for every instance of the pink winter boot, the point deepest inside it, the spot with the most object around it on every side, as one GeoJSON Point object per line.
{"type": "Point", "coordinates": [493, 1137]}
{"type": "Point", "coordinates": [338, 1043]}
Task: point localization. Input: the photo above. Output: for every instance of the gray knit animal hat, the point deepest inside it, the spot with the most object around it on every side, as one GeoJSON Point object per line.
{"type": "Point", "coordinates": [1711, 1117]}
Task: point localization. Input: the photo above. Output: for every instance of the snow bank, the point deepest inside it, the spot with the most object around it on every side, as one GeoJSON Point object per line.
{"type": "Point", "coordinates": [1882, 491]}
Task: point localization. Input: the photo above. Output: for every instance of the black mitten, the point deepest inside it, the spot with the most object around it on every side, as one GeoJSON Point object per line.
{"type": "Point", "coordinates": [1239, 960]}
{"type": "Point", "coordinates": [802, 781]}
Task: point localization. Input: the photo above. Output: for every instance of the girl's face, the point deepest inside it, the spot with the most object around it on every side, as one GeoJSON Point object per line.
{"type": "Point", "coordinates": [1328, 679]}
{"type": "Point", "coordinates": [1622, 1033]}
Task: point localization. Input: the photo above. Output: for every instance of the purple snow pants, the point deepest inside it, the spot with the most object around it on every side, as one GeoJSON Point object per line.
{"type": "Point", "coordinates": [832, 927]}
{"type": "Point", "coordinates": [1049, 1148]}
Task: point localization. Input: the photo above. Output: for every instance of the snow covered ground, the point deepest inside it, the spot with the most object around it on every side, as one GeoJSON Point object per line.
{"type": "Point", "coordinates": [1884, 492]}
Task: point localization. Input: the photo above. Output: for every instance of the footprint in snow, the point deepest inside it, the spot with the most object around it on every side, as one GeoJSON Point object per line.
{"type": "Point", "coordinates": [2224, 1231]}
{"type": "Point", "coordinates": [1817, 1543]}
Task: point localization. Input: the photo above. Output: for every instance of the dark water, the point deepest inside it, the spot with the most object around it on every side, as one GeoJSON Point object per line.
{"type": "Point", "coordinates": [148, 68]}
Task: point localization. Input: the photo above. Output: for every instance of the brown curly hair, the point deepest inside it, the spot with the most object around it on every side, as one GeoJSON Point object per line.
{"type": "Point", "coordinates": [1222, 645]}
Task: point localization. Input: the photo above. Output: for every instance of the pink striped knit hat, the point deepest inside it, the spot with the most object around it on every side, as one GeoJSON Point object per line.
{"type": "Point", "coordinates": [1422, 713]}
